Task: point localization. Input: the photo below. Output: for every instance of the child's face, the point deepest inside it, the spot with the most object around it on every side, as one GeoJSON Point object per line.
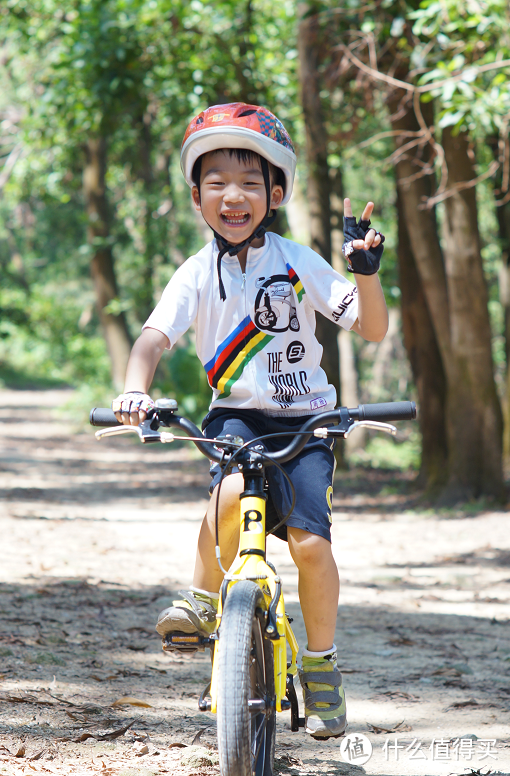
{"type": "Point", "coordinates": [232, 195]}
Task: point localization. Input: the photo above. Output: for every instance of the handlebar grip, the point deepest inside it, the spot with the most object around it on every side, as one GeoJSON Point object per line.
{"type": "Point", "coordinates": [103, 417]}
{"type": "Point", "coordinates": [391, 410]}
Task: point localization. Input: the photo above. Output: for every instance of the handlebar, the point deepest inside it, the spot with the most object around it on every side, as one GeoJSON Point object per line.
{"type": "Point", "coordinates": [344, 417]}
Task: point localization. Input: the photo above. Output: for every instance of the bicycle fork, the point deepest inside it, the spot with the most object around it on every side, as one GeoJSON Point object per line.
{"type": "Point", "coordinates": [253, 566]}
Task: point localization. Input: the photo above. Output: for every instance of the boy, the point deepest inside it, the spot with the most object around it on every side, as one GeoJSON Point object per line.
{"type": "Point", "coordinates": [252, 297]}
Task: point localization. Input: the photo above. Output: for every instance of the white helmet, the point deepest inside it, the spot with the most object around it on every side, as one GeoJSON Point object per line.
{"type": "Point", "coordinates": [238, 125]}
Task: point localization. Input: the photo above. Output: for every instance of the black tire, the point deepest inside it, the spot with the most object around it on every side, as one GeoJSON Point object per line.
{"type": "Point", "coordinates": [294, 323]}
{"type": "Point", "coordinates": [265, 320]}
{"type": "Point", "coordinates": [246, 739]}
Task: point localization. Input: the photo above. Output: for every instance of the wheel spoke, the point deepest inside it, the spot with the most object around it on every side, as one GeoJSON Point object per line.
{"type": "Point", "coordinates": [259, 739]}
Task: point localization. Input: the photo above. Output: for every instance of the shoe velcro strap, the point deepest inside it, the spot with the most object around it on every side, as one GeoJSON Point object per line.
{"type": "Point", "coordinates": [321, 696]}
{"type": "Point", "coordinates": [333, 678]}
{"type": "Point", "coordinates": [201, 609]}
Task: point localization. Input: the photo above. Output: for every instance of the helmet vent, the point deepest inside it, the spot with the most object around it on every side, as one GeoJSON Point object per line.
{"type": "Point", "coordinates": [246, 113]}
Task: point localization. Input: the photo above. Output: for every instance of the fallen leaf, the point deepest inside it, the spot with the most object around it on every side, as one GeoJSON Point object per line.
{"type": "Point", "coordinates": [398, 728]}
{"type": "Point", "coordinates": [37, 755]}
{"type": "Point", "coordinates": [140, 749]}
{"type": "Point", "coordinates": [100, 736]}
{"type": "Point", "coordinates": [289, 759]}
{"type": "Point", "coordinates": [447, 671]}
{"type": "Point", "coordinates": [198, 736]}
{"type": "Point", "coordinates": [177, 745]}
{"type": "Point", "coordinates": [8, 698]}
{"type": "Point", "coordinates": [396, 695]}
{"type": "Point", "coordinates": [128, 700]}
{"type": "Point", "coordinates": [21, 751]}
{"type": "Point", "coordinates": [471, 704]}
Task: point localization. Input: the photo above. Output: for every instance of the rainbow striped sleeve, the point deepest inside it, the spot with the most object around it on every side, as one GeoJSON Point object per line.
{"type": "Point", "coordinates": [294, 279]}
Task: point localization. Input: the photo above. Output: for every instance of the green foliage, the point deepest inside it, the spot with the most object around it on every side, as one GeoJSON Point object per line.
{"type": "Point", "coordinates": [382, 452]}
{"type": "Point", "coordinates": [135, 71]}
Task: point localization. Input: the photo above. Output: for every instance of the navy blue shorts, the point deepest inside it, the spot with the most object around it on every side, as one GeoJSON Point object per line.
{"type": "Point", "coordinates": [311, 472]}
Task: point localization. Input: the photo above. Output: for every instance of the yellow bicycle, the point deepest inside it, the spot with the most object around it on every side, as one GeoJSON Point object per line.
{"type": "Point", "coordinates": [251, 678]}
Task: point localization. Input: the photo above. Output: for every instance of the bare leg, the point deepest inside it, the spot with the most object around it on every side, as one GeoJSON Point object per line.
{"type": "Point", "coordinates": [207, 574]}
{"type": "Point", "coordinates": [319, 586]}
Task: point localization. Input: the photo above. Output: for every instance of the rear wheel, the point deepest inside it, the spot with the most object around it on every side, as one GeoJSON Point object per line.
{"type": "Point", "coordinates": [246, 690]}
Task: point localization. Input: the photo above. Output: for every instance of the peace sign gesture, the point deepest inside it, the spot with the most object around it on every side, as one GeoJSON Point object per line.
{"type": "Point", "coordinates": [363, 247]}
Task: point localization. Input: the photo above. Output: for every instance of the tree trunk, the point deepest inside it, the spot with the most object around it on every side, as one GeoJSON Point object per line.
{"type": "Point", "coordinates": [318, 174]}
{"type": "Point", "coordinates": [102, 270]}
{"type": "Point", "coordinates": [145, 291]}
{"type": "Point", "coordinates": [425, 320]}
{"type": "Point", "coordinates": [425, 359]}
{"type": "Point", "coordinates": [503, 218]}
{"type": "Point", "coordinates": [475, 438]}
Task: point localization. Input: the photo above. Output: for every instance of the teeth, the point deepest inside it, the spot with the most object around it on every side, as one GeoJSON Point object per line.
{"type": "Point", "coordinates": [238, 218]}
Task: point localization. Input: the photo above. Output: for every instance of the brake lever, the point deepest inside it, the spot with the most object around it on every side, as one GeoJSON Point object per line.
{"type": "Point", "coordinates": [375, 424]}
{"type": "Point", "coordinates": [324, 433]}
{"type": "Point", "coordinates": [144, 431]}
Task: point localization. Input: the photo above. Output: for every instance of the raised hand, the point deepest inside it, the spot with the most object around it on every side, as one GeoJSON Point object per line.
{"type": "Point", "coordinates": [363, 247]}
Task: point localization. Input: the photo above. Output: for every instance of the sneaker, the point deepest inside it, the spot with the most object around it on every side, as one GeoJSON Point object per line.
{"type": "Point", "coordinates": [323, 697]}
{"type": "Point", "coordinates": [196, 613]}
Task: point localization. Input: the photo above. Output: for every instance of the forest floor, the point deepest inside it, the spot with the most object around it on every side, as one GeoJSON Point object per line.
{"type": "Point", "coordinates": [97, 538]}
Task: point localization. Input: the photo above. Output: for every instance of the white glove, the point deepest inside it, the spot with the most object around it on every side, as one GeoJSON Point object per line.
{"type": "Point", "coordinates": [133, 401]}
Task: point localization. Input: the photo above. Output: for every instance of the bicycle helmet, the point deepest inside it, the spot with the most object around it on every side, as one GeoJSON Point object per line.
{"type": "Point", "coordinates": [249, 127]}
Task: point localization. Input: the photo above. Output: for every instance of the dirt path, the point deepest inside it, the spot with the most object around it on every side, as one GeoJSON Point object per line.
{"type": "Point", "coordinates": [96, 538]}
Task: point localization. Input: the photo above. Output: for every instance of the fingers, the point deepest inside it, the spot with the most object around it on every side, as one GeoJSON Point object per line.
{"type": "Point", "coordinates": [372, 239]}
{"type": "Point", "coordinates": [366, 213]}
{"type": "Point", "coordinates": [131, 418]}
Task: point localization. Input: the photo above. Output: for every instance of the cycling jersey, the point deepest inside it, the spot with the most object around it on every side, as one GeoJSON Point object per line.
{"type": "Point", "coordinates": [258, 347]}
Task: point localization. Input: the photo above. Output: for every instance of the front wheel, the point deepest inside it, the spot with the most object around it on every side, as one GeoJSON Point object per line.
{"type": "Point", "coordinates": [246, 691]}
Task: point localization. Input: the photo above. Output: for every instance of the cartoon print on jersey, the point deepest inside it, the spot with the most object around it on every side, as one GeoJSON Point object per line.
{"type": "Point", "coordinates": [274, 305]}
{"type": "Point", "coordinates": [233, 355]}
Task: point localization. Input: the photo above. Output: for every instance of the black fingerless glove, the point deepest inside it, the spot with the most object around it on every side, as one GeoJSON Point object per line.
{"type": "Point", "coordinates": [360, 261]}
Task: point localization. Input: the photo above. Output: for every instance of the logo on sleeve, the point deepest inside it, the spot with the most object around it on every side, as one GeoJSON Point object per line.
{"type": "Point", "coordinates": [344, 304]}
{"type": "Point", "coordinates": [295, 352]}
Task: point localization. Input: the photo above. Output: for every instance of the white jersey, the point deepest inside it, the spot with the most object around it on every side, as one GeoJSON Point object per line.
{"type": "Point", "coordinates": [258, 347]}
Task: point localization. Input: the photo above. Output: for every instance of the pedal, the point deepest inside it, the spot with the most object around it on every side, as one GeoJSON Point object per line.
{"type": "Point", "coordinates": [290, 696]}
{"type": "Point", "coordinates": [186, 642]}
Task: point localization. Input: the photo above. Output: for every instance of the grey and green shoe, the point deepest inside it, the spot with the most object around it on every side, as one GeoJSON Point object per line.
{"type": "Point", "coordinates": [323, 696]}
{"type": "Point", "coordinates": [195, 613]}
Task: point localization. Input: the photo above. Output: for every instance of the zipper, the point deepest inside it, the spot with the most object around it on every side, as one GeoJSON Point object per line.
{"type": "Point", "coordinates": [244, 281]}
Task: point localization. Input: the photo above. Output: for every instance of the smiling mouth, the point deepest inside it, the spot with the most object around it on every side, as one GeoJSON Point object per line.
{"type": "Point", "coordinates": [235, 219]}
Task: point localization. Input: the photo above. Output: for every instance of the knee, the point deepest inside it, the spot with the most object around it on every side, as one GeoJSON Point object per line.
{"type": "Point", "coordinates": [231, 489]}
{"type": "Point", "coordinates": [308, 549]}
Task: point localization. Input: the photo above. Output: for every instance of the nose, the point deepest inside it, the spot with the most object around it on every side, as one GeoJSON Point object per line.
{"type": "Point", "coordinates": [233, 194]}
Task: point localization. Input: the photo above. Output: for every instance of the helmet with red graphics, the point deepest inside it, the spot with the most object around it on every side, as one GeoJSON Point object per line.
{"type": "Point", "coordinates": [238, 125]}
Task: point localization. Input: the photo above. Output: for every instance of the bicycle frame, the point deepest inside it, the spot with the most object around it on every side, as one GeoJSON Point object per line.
{"type": "Point", "coordinates": [252, 565]}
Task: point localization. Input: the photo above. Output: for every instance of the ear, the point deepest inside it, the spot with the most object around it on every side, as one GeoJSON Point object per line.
{"type": "Point", "coordinates": [195, 196]}
{"type": "Point", "coordinates": [276, 197]}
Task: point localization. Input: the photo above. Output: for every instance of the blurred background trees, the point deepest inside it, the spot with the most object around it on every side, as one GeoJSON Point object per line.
{"type": "Point", "coordinates": [404, 103]}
